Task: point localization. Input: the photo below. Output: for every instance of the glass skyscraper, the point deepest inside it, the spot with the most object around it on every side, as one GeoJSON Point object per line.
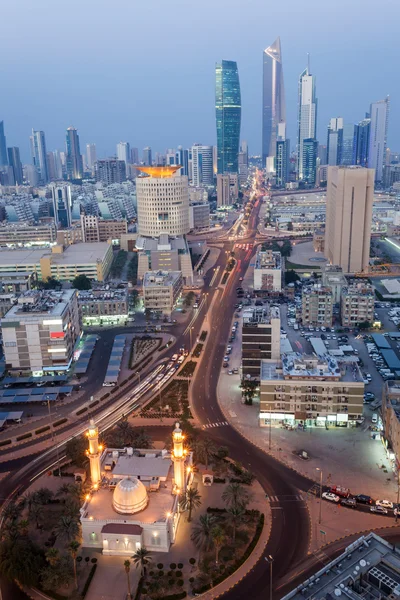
{"type": "Point", "coordinates": [3, 146]}
{"type": "Point", "coordinates": [274, 108]}
{"type": "Point", "coordinates": [379, 113]}
{"type": "Point", "coordinates": [74, 157]}
{"type": "Point", "coordinates": [361, 142]}
{"type": "Point", "coordinates": [228, 111]}
{"type": "Point", "coordinates": [39, 155]}
{"type": "Point", "coordinates": [309, 160]}
{"type": "Point", "coordinates": [347, 144]}
{"type": "Point", "coordinates": [307, 119]}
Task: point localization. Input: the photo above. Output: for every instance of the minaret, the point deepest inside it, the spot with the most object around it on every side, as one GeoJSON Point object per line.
{"type": "Point", "coordinates": [94, 452]}
{"type": "Point", "coordinates": [178, 457]}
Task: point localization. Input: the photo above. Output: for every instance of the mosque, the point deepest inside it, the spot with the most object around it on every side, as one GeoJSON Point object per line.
{"type": "Point", "coordinates": [134, 498]}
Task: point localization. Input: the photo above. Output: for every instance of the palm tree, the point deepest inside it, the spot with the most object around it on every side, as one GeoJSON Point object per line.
{"type": "Point", "coordinates": [63, 490]}
{"type": "Point", "coordinates": [43, 496]}
{"type": "Point", "coordinates": [67, 528]}
{"type": "Point", "coordinates": [236, 495]}
{"type": "Point", "coordinates": [127, 567]}
{"type": "Point", "coordinates": [141, 558]}
{"type": "Point", "coordinates": [12, 512]}
{"type": "Point", "coordinates": [234, 516]}
{"type": "Point", "coordinates": [36, 512]}
{"type": "Point", "coordinates": [218, 538]}
{"type": "Point", "coordinates": [205, 450]}
{"type": "Point", "coordinates": [52, 556]}
{"type": "Point", "coordinates": [73, 548]}
{"type": "Point", "coordinates": [23, 526]}
{"type": "Point", "coordinates": [191, 500]}
{"type": "Point", "coordinates": [201, 535]}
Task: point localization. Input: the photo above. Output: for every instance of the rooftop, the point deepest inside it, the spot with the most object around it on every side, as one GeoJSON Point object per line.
{"type": "Point", "coordinates": [162, 172]}
{"type": "Point", "coordinates": [160, 278]}
{"type": "Point", "coordinates": [260, 314]}
{"type": "Point", "coordinates": [40, 302]}
{"type": "Point", "coordinates": [102, 294]}
{"type": "Point", "coordinates": [309, 366]}
{"type": "Point", "coordinates": [359, 289]}
{"type": "Point", "coordinates": [266, 259]}
{"type": "Point", "coordinates": [317, 288]}
{"type": "Point", "coordinates": [163, 242]}
{"type": "Point", "coordinates": [82, 253]}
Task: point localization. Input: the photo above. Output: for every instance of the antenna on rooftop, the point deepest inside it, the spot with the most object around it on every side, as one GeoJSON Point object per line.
{"type": "Point", "coordinates": [308, 63]}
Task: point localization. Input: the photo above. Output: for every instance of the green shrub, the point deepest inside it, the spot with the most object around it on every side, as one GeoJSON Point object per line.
{"type": "Point", "coordinates": [5, 443]}
{"type": "Point", "coordinates": [42, 430]}
{"type": "Point", "coordinates": [180, 565]}
{"type": "Point", "coordinates": [172, 566]}
{"type": "Point", "coordinates": [180, 582]}
{"type": "Point", "coordinates": [191, 579]}
{"type": "Point", "coordinates": [160, 566]}
{"type": "Point", "coordinates": [24, 436]}
{"type": "Point", "coordinates": [93, 403]}
{"type": "Point", "coordinates": [60, 422]}
{"type": "Point", "coordinates": [192, 561]}
{"type": "Point", "coordinates": [88, 580]}
{"type": "Point", "coordinates": [202, 588]}
{"type": "Point", "coordinates": [178, 573]}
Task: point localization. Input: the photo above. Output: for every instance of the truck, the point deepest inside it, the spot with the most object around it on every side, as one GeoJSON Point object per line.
{"type": "Point", "coordinates": [340, 491]}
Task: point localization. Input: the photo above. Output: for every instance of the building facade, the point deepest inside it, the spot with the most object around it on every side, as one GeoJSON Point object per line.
{"type": "Point", "coordinates": [202, 165]}
{"type": "Point", "coordinates": [261, 335]}
{"type": "Point", "coordinates": [199, 216]}
{"type": "Point", "coordinates": [110, 170]}
{"type": "Point", "coordinates": [27, 235]}
{"type": "Point", "coordinates": [95, 229]}
{"type": "Point", "coordinates": [104, 307]}
{"type": "Point", "coordinates": [3, 146]}
{"type": "Point", "coordinates": [309, 163]}
{"type": "Point", "coordinates": [14, 161]}
{"type": "Point", "coordinates": [39, 155]}
{"type": "Point", "coordinates": [274, 106]}
{"type": "Point", "coordinates": [74, 165]}
{"type": "Point", "coordinates": [357, 304]}
{"type": "Point", "coordinates": [332, 277]}
{"type": "Point", "coordinates": [334, 146]}
{"type": "Point", "coordinates": [227, 189]}
{"type": "Point", "coordinates": [307, 117]}
{"type": "Point", "coordinates": [161, 290]}
{"type": "Point", "coordinates": [62, 205]}
{"type": "Point", "coordinates": [317, 306]}
{"type": "Point", "coordinates": [362, 131]}
{"type": "Point", "coordinates": [379, 113]}
{"type": "Point", "coordinates": [228, 109]}
{"type": "Point", "coordinates": [268, 271]}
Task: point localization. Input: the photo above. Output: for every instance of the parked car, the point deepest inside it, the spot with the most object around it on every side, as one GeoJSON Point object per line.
{"type": "Point", "coordinates": [379, 510]}
{"type": "Point", "coordinates": [339, 491]}
{"type": "Point", "coordinates": [384, 503]}
{"type": "Point", "coordinates": [330, 497]}
{"type": "Point", "coordinates": [350, 502]}
{"type": "Point", "coordinates": [363, 499]}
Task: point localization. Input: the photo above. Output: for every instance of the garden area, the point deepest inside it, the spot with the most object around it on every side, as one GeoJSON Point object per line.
{"type": "Point", "coordinates": [142, 348]}
{"type": "Point", "coordinates": [171, 402]}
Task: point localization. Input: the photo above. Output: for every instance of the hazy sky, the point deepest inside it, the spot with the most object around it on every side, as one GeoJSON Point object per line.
{"type": "Point", "coordinates": [143, 71]}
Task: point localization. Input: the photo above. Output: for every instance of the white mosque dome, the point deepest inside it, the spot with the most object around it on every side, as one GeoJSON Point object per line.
{"type": "Point", "coordinates": [130, 496]}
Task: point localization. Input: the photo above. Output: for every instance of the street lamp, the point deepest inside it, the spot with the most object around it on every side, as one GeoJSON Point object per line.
{"type": "Point", "coordinates": [190, 334]}
{"type": "Point", "coordinates": [206, 295]}
{"type": "Point", "coordinates": [138, 373]}
{"type": "Point", "coordinates": [270, 560]}
{"type": "Point", "coordinates": [51, 424]}
{"type": "Point", "coordinates": [398, 495]}
{"type": "Point", "coordinates": [320, 494]}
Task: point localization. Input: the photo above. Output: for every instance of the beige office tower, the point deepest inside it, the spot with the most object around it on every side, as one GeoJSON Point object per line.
{"type": "Point", "coordinates": [350, 195]}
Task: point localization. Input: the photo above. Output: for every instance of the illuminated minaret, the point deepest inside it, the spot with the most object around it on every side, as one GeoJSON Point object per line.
{"type": "Point", "coordinates": [178, 457]}
{"type": "Point", "coordinates": [94, 452]}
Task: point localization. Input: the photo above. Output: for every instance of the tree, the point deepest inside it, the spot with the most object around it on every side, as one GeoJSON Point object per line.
{"type": "Point", "coordinates": [36, 512]}
{"type": "Point", "coordinates": [55, 576]}
{"type": "Point", "coordinates": [141, 558]}
{"type": "Point", "coordinates": [291, 277]}
{"type": "Point", "coordinates": [127, 567]}
{"type": "Point", "coordinates": [67, 528]}
{"type": "Point", "coordinates": [218, 538]}
{"type": "Point", "coordinates": [82, 283]}
{"type": "Point", "coordinates": [75, 450]}
{"type": "Point", "coordinates": [190, 296]}
{"type": "Point", "coordinates": [73, 548]}
{"type": "Point", "coordinates": [43, 496]}
{"type": "Point", "coordinates": [201, 535]}
{"type": "Point", "coordinates": [204, 451]}
{"type": "Point", "coordinates": [249, 387]}
{"type": "Point", "coordinates": [21, 560]}
{"type": "Point", "coordinates": [235, 495]}
{"type": "Point", "coordinates": [234, 516]}
{"type": "Point", "coordinates": [51, 283]}
{"type": "Point", "coordinates": [52, 556]}
{"type": "Point", "coordinates": [12, 512]}
{"type": "Point", "coordinates": [190, 501]}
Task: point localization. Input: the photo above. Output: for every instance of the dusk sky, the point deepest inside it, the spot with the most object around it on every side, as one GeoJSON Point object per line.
{"type": "Point", "coordinates": [143, 72]}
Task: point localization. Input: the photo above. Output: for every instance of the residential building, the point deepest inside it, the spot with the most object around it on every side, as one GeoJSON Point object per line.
{"type": "Point", "coordinates": [349, 202]}
{"type": "Point", "coordinates": [202, 165]}
{"type": "Point", "coordinates": [261, 337]}
{"type": "Point", "coordinates": [110, 170]}
{"type": "Point", "coordinates": [319, 240]}
{"type": "Point", "coordinates": [357, 304]}
{"type": "Point", "coordinates": [147, 157]}
{"type": "Point", "coordinates": [161, 290]}
{"type": "Point", "coordinates": [282, 157]}
{"type": "Point", "coordinates": [101, 306]}
{"type": "Point", "coordinates": [362, 131]}
{"type": "Point", "coordinates": [23, 234]}
{"type": "Point", "coordinates": [348, 144]}
{"type": "Point", "coordinates": [227, 189]}
{"type": "Point", "coordinates": [162, 202]}
{"type": "Point", "coordinates": [124, 152]}
{"type": "Point", "coordinates": [14, 161]}
{"type": "Point", "coordinates": [199, 216]}
{"type": "Point", "coordinates": [62, 205]}
{"type": "Point", "coordinates": [311, 390]}
{"type": "Point", "coordinates": [274, 106]}
{"type": "Point", "coordinates": [95, 229]}
{"type": "Point", "coordinates": [91, 156]}
{"type": "Point", "coordinates": [268, 271]}
{"type": "Point", "coordinates": [317, 306]}
{"type": "Point", "coordinates": [391, 419]}
{"type": "Point", "coordinates": [15, 283]}
{"type": "Point", "coordinates": [307, 117]}
{"type": "Point", "coordinates": [334, 146]}
{"type": "Point", "coordinates": [39, 155]}
{"type": "Point", "coordinates": [74, 165]}
{"type": "Point", "coordinates": [379, 113]}
{"type": "Point", "coordinates": [164, 253]}
{"type": "Point", "coordinates": [40, 331]}
{"type": "Point", "coordinates": [309, 163]}
{"type": "Point", "coordinates": [72, 235]}
{"type": "Point", "coordinates": [333, 278]}
{"type": "Point", "coordinates": [3, 146]}
{"type": "Point", "coordinates": [228, 115]}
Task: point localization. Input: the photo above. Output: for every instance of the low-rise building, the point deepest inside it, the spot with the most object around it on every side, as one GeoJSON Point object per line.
{"type": "Point", "coordinates": [164, 253]}
{"type": "Point", "coordinates": [72, 235]}
{"type": "Point", "coordinates": [319, 240]}
{"type": "Point", "coordinates": [17, 282]}
{"type": "Point", "coordinates": [7, 301]}
{"type": "Point", "coordinates": [161, 290]}
{"type": "Point", "coordinates": [391, 419]}
{"type": "Point", "coordinates": [317, 306]}
{"type": "Point", "coordinates": [357, 304]}
{"type": "Point", "coordinates": [103, 306]}
{"type": "Point", "coordinates": [332, 277]}
{"type": "Point", "coordinates": [40, 331]}
{"type": "Point", "coordinates": [23, 234]}
{"type": "Point", "coordinates": [261, 334]}
{"type": "Point", "coordinates": [199, 216]}
{"type": "Point", "coordinates": [311, 391]}
{"type": "Point", "coordinates": [268, 271]}
{"type": "Point", "coordinates": [95, 229]}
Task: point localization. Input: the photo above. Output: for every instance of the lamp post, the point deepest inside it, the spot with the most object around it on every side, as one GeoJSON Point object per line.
{"type": "Point", "coordinates": [320, 495]}
{"type": "Point", "coordinates": [270, 560]}
{"type": "Point", "coordinates": [270, 429]}
{"type": "Point", "coordinates": [51, 424]}
{"type": "Point", "coordinates": [206, 305]}
{"type": "Point", "coordinates": [398, 494]}
{"type": "Point", "coordinates": [190, 334]}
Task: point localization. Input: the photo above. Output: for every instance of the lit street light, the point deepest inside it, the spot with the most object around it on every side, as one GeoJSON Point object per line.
{"type": "Point", "coordinates": [320, 494]}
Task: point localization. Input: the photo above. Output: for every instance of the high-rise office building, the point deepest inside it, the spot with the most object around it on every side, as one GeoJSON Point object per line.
{"type": "Point", "coordinates": [182, 158]}
{"type": "Point", "coordinates": [147, 157]}
{"type": "Point", "coordinates": [348, 145]}
{"type": "Point", "coordinates": [3, 146]}
{"type": "Point", "coordinates": [309, 161]}
{"type": "Point", "coordinates": [62, 205]}
{"type": "Point", "coordinates": [39, 155]}
{"type": "Point", "coordinates": [162, 202]}
{"type": "Point", "coordinates": [350, 194]}
{"type": "Point", "coordinates": [335, 141]}
{"type": "Point", "coordinates": [307, 116]}
{"type": "Point", "coordinates": [14, 161]}
{"type": "Point", "coordinates": [91, 156]}
{"type": "Point", "coordinates": [322, 155]}
{"type": "Point", "coordinates": [73, 155]}
{"type": "Point", "coordinates": [228, 115]}
{"type": "Point", "coordinates": [379, 113]}
{"type": "Point", "coordinates": [282, 158]}
{"type": "Point", "coordinates": [134, 156]}
{"type": "Point", "coordinates": [362, 132]}
{"type": "Point", "coordinates": [274, 107]}
{"type": "Point", "coordinates": [124, 152]}
{"type": "Point", "coordinates": [202, 165]}
{"type": "Point", "coordinates": [110, 170]}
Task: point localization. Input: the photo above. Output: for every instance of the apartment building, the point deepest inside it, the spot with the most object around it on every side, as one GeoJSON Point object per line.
{"type": "Point", "coordinates": [357, 304]}
{"type": "Point", "coordinates": [199, 216]}
{"type": "Point", "coordinates": [24, 234]}
{"type": "Point", "coordinates": [261, 335]}
{"type": "Point", "coordinates": [310, 390]}
{"type": "Point", "coordinates": [391, 420]}
{"type": "Point", "coordinates": [332, 277]}
{"type": "Point", "coordinates": [95, 229]}
{"type": "Point", "coordinates": [268, 271]}
{"type": "Point", "coordinates": [165, 253]}
{"type": "Point", "coordinates": [103, 306]}
{"type": "Point", "coordinates": [161, 290]}
{"type": "Point", "coordinates": [317, 306]}
{"type": "Point", "coordinates": [40, 331]}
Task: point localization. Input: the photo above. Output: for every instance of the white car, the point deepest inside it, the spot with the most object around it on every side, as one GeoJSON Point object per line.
{"type": "Point", "coordinates": [379, 509]}
{"type": "Point", "coordinates": [330, 497]}
{"type": "Point", "coordinates": [384, 503]}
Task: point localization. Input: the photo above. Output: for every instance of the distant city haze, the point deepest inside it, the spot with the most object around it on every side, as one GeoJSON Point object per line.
{"type": "Point", "coordinates": [144, 72]}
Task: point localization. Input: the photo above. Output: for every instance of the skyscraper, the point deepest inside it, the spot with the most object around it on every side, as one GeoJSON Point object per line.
{"type": "Point", "coordinates": [15, 163]}
{"type": "Point", "coordinates": [134, 156]}
{"type": "Point", "coordinates": [348, 145]}
{"type": "Point", "coordinates": [274, 107]}
{"type": "Point", "coordinates": [91, 155]}
{"type": "Point", "coordinates": [39, 155]}
{"type": "Point", "coordinates": [73, 155]}
{"type": "Point", "coordinates": [379, 113]}
{"type": "Point", "coordinates": [147, 157]}
{"type": "Point", "coordinates": [228, 115]}
{"type": "Point", "coordinates": [110, 170]}
{"type": "Point", "coordinates": [182, 158]}
{"type": "Point", "coordinates": [282, 158]}
{"type": "Point", "coordinates": [361, 142]}
{"type": "Point", "coordinates": [350, 194]}
{"type": "Point", "coordinates": [124, 152]}
{"type": "Point", "coordinates": [309, 161]}
{"type": "Point", "coordinates": [307, 118]}
{"type": "Point", "coordinates": [202, 165]}
{"type": "Point", "coordinates": [335, 141]}
{"type": "Point", "coordinates": [3, 146]}
{"type": "Point", "coordinates": [62, 205]}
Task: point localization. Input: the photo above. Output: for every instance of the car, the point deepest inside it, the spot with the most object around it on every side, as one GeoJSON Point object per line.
{"type": "Point", "coordinates": [174, 357]}
{"type": "Point", "coordinates": [330, 497]}
{"type": "Point", "coordinates": [236, 370]}
{"type": "Point", "coordinates": [230, 372]}
{"type": "Point", "coordinates": [340, 491]}
{"type": "Point", "coordinates": [379, 509]}
{"type": "Point", "coordinates": [384, 503]}
{"type": "Point", "coordinates": [240, 278]}
{"type": "Point", "coordinates": [350, 502]}
{"type": "Point", "coordinates": [363, 499]}
{"type": "Point", "coordinates": [229, 347]}
{"type": "Point", "coordinates": [226, 358]}
{"type": "Point", "coordinates": [225, 364]}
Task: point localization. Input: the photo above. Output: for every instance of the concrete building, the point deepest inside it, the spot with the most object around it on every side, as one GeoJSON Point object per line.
{"type": "Point", "coordinates": [72, 235]}
{"type": "Point", "coordinates": [95, 229]}
{"type": "Point", "coordinates": [268, 271]}
{"type": "Point", "coordinates": [73, 157]}
{"type": "Point", "coordinates": [333, 278]}
{"type": "Point", "coordinates": [161, 290]}
{"type": "Point", "coordinates": [319, 240]}
{"type": "Point", "coordinates": [164, 253]}
{"type": "Point", "coordinates": [202, 165]}
{"type": "Point", "coordinates": [23, 234]}
{"type": "Point", "coordinates": [227, 189]}
{"type": "Point", "coordinates": [62, 205]}
{"type": "Point", "coordinates": [317, 306]}
{"type": "Point", "coordinates": [7, 301]}
{"type": "Point", "coordinates": [39, 155]}
{"type": "Point", "coordinates": [261, 335]}
{"type": "Point", "coordinates": [350, 195]}
{"type": "Point", "coordinates": [357, 304]}
{"type": "Point", "coordinates": [124, 152]}
{"type": "Point", "coordinates": [391, 419]}
{"type": "Point", "coordinates": [311, 390]}
{"type": "Point", "coordinates": [110, 170]}
{"type": "Point", "coordinates": [162, 202]}
{"type": "Point", "coordinates": [15, 283]}
{"type": "Point", "coordinates": [91, 156]}
{"type": "Point", "coordinates": [103, 306]}
{"type": "Point", "coordinates": [334, 144]}
{"type": "Point", "coordinates": [40, 331]}
{"type": "Point", "coordinates": [199, 216]}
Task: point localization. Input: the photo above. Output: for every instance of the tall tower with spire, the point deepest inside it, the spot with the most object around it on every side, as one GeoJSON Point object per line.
{"type": "Point", "coordinates": [178, 458]}
{"type": "Point", "coordinates": [307, 119]}
{"type": "Point", "coordinates": [94, 452]}
{"type": "Point", "coordinates": [274, 106]}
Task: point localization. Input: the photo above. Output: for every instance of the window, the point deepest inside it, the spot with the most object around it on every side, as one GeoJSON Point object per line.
{"type": "Point", "coordinates": [156, 540]}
